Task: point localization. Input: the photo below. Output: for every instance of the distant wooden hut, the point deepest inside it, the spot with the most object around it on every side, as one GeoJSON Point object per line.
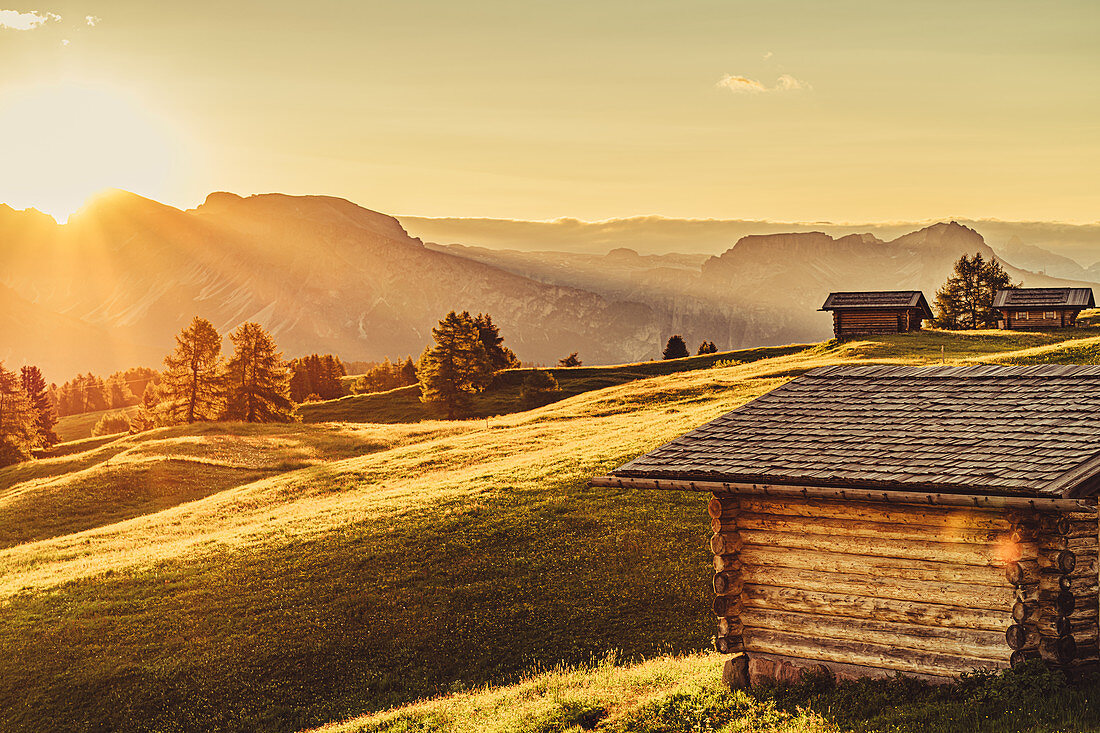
{"type": "Point", "coordinates": [878, 519]}
{"type": "Point", "coordinates": [1029, 309]}
{"type": "Point", "coordinates": [877, 312]}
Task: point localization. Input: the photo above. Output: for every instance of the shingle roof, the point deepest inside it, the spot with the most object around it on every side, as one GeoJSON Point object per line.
{"type": "Point", "coordinates": [877, 299]}
{"type": "Point", "coordinates": [1022, 430]}
{"type": "Point", "coordinates": [1044, 298]}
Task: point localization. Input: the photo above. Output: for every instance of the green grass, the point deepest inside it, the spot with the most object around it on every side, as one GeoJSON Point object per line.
{"type": "Point", "coordinates": [78, 427]}
{"type": "Point", "coordinates": [279, 577]}
{"type": "Point", "coordinates": [503, 395]}
{"type": "Point", "coordinates": [683, 694]}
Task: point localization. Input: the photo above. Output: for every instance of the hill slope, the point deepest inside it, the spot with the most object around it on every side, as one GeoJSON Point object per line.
{"type": "Point", "coordinates": [278, 577]}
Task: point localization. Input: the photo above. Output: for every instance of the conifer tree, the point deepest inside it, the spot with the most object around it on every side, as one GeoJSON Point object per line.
{"type": "Point", "coordinates": [192, 383]}
{"type": "Point", "coordinates": [707, 347]}
{"type": "Point", "coordinates": [408, 372]}
{"type": "Point", "coordinates": [455, 367]}
{"type": "Point", "coordinates": [18, 422]}
{"type": "Point", "coordinates": [675, 348]}
{"type": "Point", "coordinates": [151, 414]}
{"type": "Point", "coordinates": [257, 380]}
{"type": "Point", "coordinates": [45, 416]}
{"type": "Point", "coordinates": [570, 361]}
{"type": "Point", "coordinates": [499, 356]}
{"type": "Point", "coordinates": [965, 301]}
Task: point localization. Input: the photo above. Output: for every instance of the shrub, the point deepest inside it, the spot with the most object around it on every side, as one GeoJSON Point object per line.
{"type": "Point", "coordinates": [539, 388]}
{"type": "Point", "coordinates": [111, 423]}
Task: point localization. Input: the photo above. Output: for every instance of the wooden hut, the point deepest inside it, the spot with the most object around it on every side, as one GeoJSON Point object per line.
{"type": "Point", "coordinates": [877, 312]}
{"type": "Point", "coordinates": [1030, 309]}
{"type": "Point", "coordinates": [886, 519]}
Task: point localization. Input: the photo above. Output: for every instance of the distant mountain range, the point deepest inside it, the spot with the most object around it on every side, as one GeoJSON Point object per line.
{"type": "Point", "coordinates": [112, 287]}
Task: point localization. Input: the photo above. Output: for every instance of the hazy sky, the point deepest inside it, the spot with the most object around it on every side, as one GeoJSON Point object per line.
{"type": "Point", "coordinates": [842, 111]}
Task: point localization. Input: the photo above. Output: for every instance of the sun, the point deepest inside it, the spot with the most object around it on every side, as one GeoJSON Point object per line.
{"type": "Point", "coordinates": [62, 143]}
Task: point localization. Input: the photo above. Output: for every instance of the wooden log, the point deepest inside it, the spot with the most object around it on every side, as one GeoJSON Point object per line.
{"type": "Point", "coordinates": [944, 640]}
{"type": "Point", "coordinates": [729, 644]}
{"type": "Point", "coordinates": [727, 563]}
{"type": "Point", "coordinates": [726, 543]}
{"type": "Point", "coordinates": [842, 670]}
{"type": "Point", "coordinates": [1048, 623]}
{"type": "Point", "coordinates": [1020, 572]}
{"type": "Point", "coordinates": [867, 511]}
{"type": "Point", "coordinates": [1016, 551]}
{"type": "Point", "coordinates": [874, 567]}
{"type": "Point", "coordinates": [1080, 544]}
{"type": "Point", "coordinates": [1061, 561]}
{"type": "Point", "coordinates": [1024, 610]}
{"type": "Point", "coordinates": [874, 530]}
{"type": "Point", "coordinates": [1064, 603]}
{"type": "Point", "coordinates": [723, 524]}
{"type": "Point", "coordinates": [1021, 656]}
{"type": "Point", "coordinates": [735, 672]}
{"type": "Point", "coordinates": [861, 653]}
{"type": "Point", "coordinates": [728, 584]}
{"type": "Point", "coordinates": [1057, 649]}
{"type": "Point", "coordinates": [1019, 636]}
{"type": "Point", "coordinates": [1082, 615]}
{"type": "Point", "coordinates": [866, 607]}
{"type": "Point", "coordinates": [719, 507]}
{"type": "Point", "coordinates": [1057, 524]}
{"type": "Point", "coordinates": [730, 626]}
{"type": "Point", "coordinates": [1027, 593]}
{"type": "Point", "coordinates": [960, 553]}
{"type": "Point", "coordinates": [1053, 584]}
{"type": "Point", "coordinates": [728, 606]}
{"type": "Point", "coordinates": [955, 594]}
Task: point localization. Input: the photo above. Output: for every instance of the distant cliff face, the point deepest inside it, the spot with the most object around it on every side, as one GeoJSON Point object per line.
{"type": "Point", "coordinates": [321, 273]}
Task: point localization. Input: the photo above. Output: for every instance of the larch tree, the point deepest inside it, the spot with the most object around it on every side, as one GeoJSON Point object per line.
{"type": "Point", "coordinates": [499, 356]}
{"type": "Point", "coordinates": [193, 382]}
{"type": "Point", "coordinates": [965, 301]}
{"type": "Point", "coordinates": [675, 348]}
{"type": "Point", "coordinates": [257, 380]}
{"type": "Point", "coordinates": [18, 422]}
{"type": "Point", "coordinates": [34, 386]}
{"type": "Point", "coordinates": [455, 367]}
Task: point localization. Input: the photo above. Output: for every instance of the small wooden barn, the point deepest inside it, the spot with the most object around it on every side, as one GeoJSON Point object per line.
{"type": "Point", "coordinates": [889, 519]}
{"type": "Point", "coordinates": [877, 312]}
{"type": "Point", "coordinates": [1024, 309]}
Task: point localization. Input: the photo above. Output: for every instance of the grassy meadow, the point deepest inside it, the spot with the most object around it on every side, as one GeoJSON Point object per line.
{"type": "Point", "coordinates": [281, 577]}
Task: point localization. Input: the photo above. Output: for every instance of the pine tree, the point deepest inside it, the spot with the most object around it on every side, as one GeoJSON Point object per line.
{"type": "Point", "coordinates": [570, 361]}
{"type": "Point", "coordinates": [18, 421]}
{"type": "Point", "coordinates": [707, 347]}
{"type": "Point", "coordinates": [118, 392]}
{"type": "Point", "coordinates": [965, 301]}
{"type": "Point", "coordinates": [192, 382]}
{"type": "Point", "coordinates": [675, 348]}
{"type": "Point", "coordinates": [408, 372]}
{"type": "Point", "coordinates": [34, 385]}
{"type": "Point", "coordinates": [499, 356]}
{"type": "Point", "coordinates": [257, 379]}
{"type": "Point", "coordinates": [455, 367]}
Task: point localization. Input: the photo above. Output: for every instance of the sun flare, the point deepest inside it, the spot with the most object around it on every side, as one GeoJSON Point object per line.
{"type": "Point", "coordinates": [62, 143]}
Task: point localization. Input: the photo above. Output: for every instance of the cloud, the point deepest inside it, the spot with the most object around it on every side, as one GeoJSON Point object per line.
{"type": "Point", "coordinates": [16, 21]}
{"type": "Point", "coordinates": [743, 84]}
{"type": "Point", "coordinates": [92, 20]}
{"type": "Point", "coordinates": [787, 83]}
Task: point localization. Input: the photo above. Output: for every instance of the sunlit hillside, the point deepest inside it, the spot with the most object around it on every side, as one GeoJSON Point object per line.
{"type": "Point", "coordinates": [278, 577]}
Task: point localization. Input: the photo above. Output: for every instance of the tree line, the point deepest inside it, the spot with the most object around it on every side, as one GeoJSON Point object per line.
{"type": "Point", "coordinates": [27, 414]}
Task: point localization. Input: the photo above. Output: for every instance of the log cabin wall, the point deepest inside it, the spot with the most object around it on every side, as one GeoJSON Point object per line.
{"type": "Point", "coordinates": [871, 322]}
{"type": "Point", "coordinates": [870, 588]}
{"type": "Point", "coordinates": [1027, 320]}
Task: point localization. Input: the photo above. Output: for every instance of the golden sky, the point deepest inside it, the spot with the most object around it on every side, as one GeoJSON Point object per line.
{"type": "Point", "coordinates": [796, 111]}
